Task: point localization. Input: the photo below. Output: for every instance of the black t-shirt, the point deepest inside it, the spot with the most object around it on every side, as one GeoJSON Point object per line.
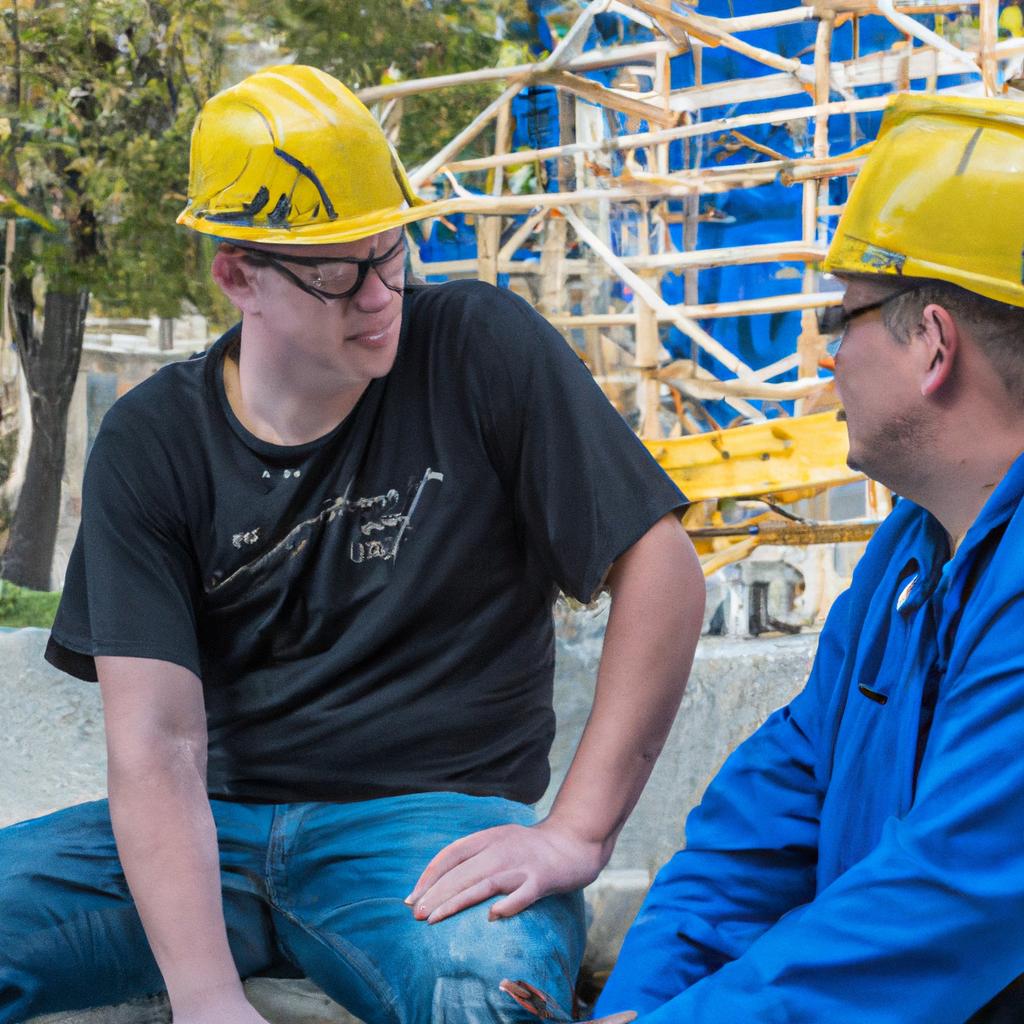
{"type": "Point", "coordinates": [370, 613]}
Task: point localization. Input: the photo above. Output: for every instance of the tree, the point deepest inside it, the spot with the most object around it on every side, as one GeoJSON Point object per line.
{"type": "Point", "coordinates": [403, 38]}
{"type": "Point", "coordinates": [99, 104]}
{"type": "Point", "coordinates": [100, 99]}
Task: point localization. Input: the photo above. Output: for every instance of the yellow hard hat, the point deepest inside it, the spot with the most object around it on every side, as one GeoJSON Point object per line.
{"type": "Point", "coordinates": [940, 197]}
{"type": "Point", "coordinates": [289, 155]}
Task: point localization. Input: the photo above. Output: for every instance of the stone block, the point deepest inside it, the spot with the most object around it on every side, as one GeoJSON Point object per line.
{"type": "Point", "coordinates": [279, 1000]}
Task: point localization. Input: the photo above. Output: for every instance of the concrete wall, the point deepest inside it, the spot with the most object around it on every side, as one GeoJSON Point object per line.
{"type": "Point", "coordinates": [51, 755]}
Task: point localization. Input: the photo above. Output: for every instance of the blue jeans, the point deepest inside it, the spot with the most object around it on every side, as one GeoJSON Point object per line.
{"type": "Point", "coordinates": [309, 889]}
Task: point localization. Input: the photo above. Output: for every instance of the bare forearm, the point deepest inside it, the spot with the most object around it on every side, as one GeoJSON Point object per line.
{"type": "Point", "coordinates": [166, 837]}
{"type": "Point", "coordinates": [168, 848]}
{"type": "Point", "coordinates": [653, 628]}
{"type": "Point", "coordinates": [657, 611]}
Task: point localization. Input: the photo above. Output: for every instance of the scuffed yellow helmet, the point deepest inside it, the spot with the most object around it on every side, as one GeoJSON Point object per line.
{"type": "Point", "coordinates": [940, 197]}
{"type": "Point", "coordinates": [289, 155]}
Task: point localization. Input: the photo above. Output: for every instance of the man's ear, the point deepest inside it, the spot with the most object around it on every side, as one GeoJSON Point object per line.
{"type": "Point", "coordinates": [236, 278]}
{"type": "Point", "coordinates": [941, 337]}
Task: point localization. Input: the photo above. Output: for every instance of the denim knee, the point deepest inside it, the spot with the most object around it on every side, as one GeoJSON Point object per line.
{"type": "Point", "coordinates": [471, 955]}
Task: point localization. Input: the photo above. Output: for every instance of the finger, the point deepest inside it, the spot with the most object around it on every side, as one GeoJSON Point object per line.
{"type": "Point", "coordinates": [445, 860]}
{"type": "Point", "coordinates": [516, 901]}
{"type": "Point", "coordinates": [464, 898]}
{"type": "Point", "coordinates": [614, 1018]}
{"type": "Point", "coordinates": [463, 876]}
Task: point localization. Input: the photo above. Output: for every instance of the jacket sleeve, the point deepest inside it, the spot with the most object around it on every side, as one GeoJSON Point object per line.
{"type": "Point", "coordinates": [750, 856]}
{"type": "Point", "coordinates": [930, 924]}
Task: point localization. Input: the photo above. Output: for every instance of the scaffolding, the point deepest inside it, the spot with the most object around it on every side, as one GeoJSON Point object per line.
{"type": "Point", "coordinates": [613, 223]}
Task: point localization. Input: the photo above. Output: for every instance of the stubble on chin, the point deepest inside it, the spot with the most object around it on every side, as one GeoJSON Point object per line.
{"type": "Point", "coordinates": [896, 455]}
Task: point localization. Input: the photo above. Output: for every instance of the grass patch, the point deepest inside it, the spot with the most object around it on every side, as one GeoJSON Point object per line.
{"type": "Point", "coordinates": [20, 607]}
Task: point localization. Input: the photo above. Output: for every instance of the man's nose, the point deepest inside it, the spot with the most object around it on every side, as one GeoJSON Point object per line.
{"type": "Point", "coordinates": [373, 294]}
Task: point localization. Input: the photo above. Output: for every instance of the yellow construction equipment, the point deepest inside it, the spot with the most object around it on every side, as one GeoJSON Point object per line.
{"type": "Point", "coordinates": [778, 461]}
{"type": "Point", "coordinates": [786, 458]}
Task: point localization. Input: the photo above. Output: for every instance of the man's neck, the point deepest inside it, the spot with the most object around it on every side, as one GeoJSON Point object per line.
{"type": "Point", "coordinates": [957, 494]}
{"type": "Point", "coordinates": [276, 408]}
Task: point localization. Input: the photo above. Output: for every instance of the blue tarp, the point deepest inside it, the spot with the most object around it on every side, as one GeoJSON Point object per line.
{"type": "Point", "coordinates": [768, 213]}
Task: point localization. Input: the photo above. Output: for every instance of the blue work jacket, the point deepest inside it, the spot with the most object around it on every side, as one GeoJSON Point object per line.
{"type": "Point", "coordinates": [861, 857]}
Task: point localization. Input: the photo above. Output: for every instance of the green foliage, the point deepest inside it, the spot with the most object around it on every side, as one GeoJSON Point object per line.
{"type": "Point", "coordinates": [100, 101]}
{"type": "Point", "coordinates": [99, 97]}
{"type": "Point", "coordinates": [375, 40]}
{"type": "Point", "coordinates": [20, 607]}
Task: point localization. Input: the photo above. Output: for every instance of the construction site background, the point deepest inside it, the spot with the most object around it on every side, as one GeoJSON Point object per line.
{"type": "Point", "coordinates": [662, 183]}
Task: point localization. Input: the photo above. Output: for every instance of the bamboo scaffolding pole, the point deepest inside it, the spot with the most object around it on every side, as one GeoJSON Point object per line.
{"type": "Point", "coordinates": [859, 8]}
{"type": "Point", "coordinates": [874, 69]}
{"type": "Point", "coordinates": [758, 307]}
{"type": "Point", "coordinates": [988, 24]}
{"type": "Point", "coordinates": [1007, 49]}
{"type": "Point", "coordinates": [590, 61]}
{"type": "Point", "coordinates": [640, 287]}
{"type": "Point", "coordinates": [629, 53]}
{"type": "Point", "coordinates": [552, 260]}
{"type": "Point", "coordinates": [520, 235]}
{"type": "Point", "coordinates": [732, 256]}
{"type": "Point", "coordinates": [648, 345]}
{"type": "Point", "coordinates": [809, 343]}
{"type": "Point", "coordinates": [423, 174]}
{"type": "Point", "coordinates": [645, 186]}
{"type": "Point", "coordinates": [691, 204]}
{"type": "Point", "coordinates": [628, 11]}
{"type": "Point", "coordinates": [646, 333]}
{"type": "Point", "coordinates": [654, 186]}
{"type": "Point", "coordinates": [709, 388]}
{"type": "Point", "coordinates": [615, 99]}
{"type": "Point", "coordinates": [642, 139]}
{"type": "Point", "coordinates": [573, 40]}
{"type": "Point", "coordinates": [488, 229]}
{"type": "Point", "coordinates": [780, 366]}
{"type": "Point", "coordinates": [787, 170]}
{"type": "Point", "coordinates": [929, 38]}
{"type": "Point", "coordinates": [649, 308]}
{"type": "Point", "coordinates": [563, 52]}
{"type": "Point", "coordinates": [704, 29]}
{"type": "Point", "coordinates": [769, 19]}
{"type": "Point", "coordinates": [663, 86]}
{"type": "Point", "coordinates": [708, 311]}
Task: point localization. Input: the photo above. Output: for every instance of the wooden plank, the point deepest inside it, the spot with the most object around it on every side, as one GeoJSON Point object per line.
{"type": "Point", "coordinates": [615, 99]}
{"type": "Point", "coordinates": [687, 131]}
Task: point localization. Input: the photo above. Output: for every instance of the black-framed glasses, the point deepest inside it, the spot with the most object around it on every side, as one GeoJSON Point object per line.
{"type": "Point", "coordinates": [336, 277]}
{"type": "Point", "coordinates": [836, 320]}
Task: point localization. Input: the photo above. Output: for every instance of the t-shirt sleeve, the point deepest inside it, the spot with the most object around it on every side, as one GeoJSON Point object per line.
{"type": "Point", "coordinates": [131, 582]}
{"type": "Point", "coordinates": [583, 487]}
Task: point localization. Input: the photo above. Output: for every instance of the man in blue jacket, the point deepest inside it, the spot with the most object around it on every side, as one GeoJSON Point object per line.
{"type": "Point", "coordinates": [861, 857]}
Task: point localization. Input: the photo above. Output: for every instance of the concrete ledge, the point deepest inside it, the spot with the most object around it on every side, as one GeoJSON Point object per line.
{"type": "Point", "coordinates": [279, 1000]}
{"type": "Point", "coordinates": [52, 755]}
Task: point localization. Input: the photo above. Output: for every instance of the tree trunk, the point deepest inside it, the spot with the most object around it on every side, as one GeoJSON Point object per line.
{"type": "Point", "coordinates": [51, 369]}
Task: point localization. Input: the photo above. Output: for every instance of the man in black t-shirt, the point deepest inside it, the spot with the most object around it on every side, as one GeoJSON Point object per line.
{"type": "Point", "coordinates": [314, 580]}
